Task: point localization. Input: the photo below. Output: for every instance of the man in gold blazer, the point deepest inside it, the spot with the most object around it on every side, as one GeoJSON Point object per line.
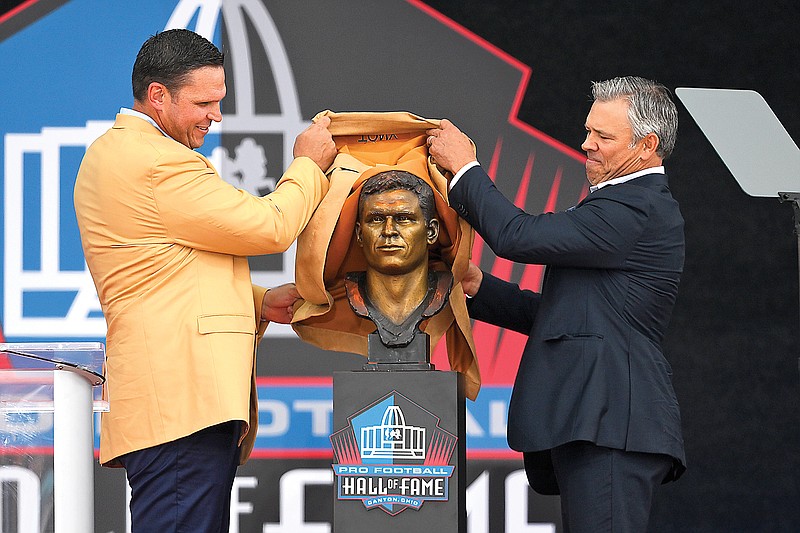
{"type": "Point", "coordinates": [166, 240]}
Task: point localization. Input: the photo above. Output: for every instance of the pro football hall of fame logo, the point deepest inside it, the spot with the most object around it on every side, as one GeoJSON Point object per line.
{"type": "Point", "coordinates": [393, 455]}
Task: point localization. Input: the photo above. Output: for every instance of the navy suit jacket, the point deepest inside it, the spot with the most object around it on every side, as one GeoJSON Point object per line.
{"type": "Point", "coordinates": [593, 368]}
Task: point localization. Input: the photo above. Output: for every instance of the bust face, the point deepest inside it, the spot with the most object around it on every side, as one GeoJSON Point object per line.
{"type": "Point", "coordinates": [392, 231]}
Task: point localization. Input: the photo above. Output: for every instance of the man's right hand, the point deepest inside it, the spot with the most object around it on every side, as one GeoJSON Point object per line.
{"type": "Point", "coordinates": [317, 143]}
{"type": "Point", "coordinates": [450, 148]}
{"type": "Point", "coordinates": [277, 305]}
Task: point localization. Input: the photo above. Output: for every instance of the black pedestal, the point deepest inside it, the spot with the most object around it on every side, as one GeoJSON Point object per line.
{"type": "Point", "coordinates": [399, 452]}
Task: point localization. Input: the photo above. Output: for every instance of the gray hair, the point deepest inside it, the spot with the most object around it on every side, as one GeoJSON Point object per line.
{"type": "Point", "coordinates": [650, 108]}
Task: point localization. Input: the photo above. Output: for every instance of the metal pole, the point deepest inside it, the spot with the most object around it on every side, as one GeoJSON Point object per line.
{"type": "Point", "coordinates": [73, 453]}
{"type": "Point", "coordinates": [794, 197]}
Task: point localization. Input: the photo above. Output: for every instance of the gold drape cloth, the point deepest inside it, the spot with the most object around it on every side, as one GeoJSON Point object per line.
{"type": "Point", "coordinates": [367, 144]}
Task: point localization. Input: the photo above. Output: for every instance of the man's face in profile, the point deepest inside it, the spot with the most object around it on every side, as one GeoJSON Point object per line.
{"type": "Point", "coordinates": [392, 231]}
{"type": "Point", "coordinates": [189, 112]}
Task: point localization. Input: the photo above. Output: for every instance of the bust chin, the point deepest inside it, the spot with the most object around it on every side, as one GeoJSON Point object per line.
{"type": "Point", "coordinates": [405, 342]}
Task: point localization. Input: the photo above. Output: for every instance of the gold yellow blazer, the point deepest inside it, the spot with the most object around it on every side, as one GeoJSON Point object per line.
{"type": "Point", "coordinates": [166, 240]}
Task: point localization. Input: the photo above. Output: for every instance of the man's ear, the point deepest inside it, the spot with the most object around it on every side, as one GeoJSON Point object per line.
{"type": "Point", "coordinates": [157, 93]}
{"type": "Point", "coordinates": [649, 145]}
{"type": "Point", "coordinates": [358, 234]}
{"type": "Point", "coordinates": [433, 230]}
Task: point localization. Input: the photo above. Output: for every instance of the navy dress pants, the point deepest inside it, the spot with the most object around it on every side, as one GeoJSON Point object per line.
{"type": "Point", "coordinates": [184, 486]}
{"type": "Point", "coordinates": [606, 490]}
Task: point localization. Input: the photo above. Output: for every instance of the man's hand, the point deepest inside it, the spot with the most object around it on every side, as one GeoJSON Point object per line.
{"type": "Point", "coordinates": [471, 281]}
{"type": "Point", "coordinates": [317, 143]}
{"type": "Point", "coordinates": [277, 303]}
{"type": "Point", "coordinates": [450, 147]}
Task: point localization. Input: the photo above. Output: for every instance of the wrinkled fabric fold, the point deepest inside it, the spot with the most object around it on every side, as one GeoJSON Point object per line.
{"type": "Point", "coordinates": [368, 144]}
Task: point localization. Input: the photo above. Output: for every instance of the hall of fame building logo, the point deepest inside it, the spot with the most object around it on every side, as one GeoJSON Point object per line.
{"type": "Point", "coordinates": [393, 455]}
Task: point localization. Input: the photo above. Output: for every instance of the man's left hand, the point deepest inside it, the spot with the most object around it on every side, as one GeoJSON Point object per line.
{"type": "Point", "coordinates": [316, 143]}
{"type": "Point", "coordinates": [471, 282]}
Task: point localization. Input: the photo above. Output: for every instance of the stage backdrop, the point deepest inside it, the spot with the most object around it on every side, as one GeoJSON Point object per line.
{"type": "Point", "coordinates": [285, 62]}
{"type": "Point", "coordinates": [515, 76]}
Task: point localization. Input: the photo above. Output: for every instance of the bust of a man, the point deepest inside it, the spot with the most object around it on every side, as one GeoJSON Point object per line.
{"type": "Point", "coordinates": [395, 226]}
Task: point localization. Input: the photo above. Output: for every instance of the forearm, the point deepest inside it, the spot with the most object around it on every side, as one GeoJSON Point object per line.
{"type": "Point", "coordinates": [504, 304]}
{"type": "Point", "coordinates": [201, 211]}
{"type": "Point", "coordinates": [295, 199]}
{"type": "Point", "coordinates": [490, 213]}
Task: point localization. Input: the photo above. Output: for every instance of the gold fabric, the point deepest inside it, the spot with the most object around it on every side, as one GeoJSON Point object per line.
{"type": "Point", "coordinates": [367, 144]}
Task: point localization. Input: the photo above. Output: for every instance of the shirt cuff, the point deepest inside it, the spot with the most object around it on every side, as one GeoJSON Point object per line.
{"type": "Point", "coordinates": [461, 172]}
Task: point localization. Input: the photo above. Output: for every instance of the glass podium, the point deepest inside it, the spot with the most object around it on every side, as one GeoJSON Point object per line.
{"type": "Point", "coordinates": [48, 395]}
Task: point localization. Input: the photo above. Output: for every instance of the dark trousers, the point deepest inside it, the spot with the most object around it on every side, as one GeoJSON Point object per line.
{"type": "Point", "coordinates": [184, 486]}
{"type": "Point", "coordinates": [604, 489]}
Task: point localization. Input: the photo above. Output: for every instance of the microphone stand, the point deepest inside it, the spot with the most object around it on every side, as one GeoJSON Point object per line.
{"type": "Point", "coordinates": [794, 198]}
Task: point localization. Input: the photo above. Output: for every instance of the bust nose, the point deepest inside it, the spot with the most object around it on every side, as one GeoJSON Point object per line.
{"type": "Point", "coordinates": [390, 226]}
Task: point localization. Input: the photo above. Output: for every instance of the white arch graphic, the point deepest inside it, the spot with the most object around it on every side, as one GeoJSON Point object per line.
{"type": "Point", "coordinates": [289, 122]}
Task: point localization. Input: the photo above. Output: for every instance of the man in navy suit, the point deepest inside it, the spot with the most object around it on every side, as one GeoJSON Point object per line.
{"type": "Point", "coordinates": [593, 409]}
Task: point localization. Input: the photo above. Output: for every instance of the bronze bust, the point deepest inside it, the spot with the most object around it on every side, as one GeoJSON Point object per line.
{"type": "Point", "coordinates": [395, 226]}
{"type": "Point", "coordinates": [327, 250]}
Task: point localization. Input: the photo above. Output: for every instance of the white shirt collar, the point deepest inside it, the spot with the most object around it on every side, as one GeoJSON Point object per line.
{"type": "Point", "coordinates": [623, 179]}
{"type": "Point", "coordinates": [134, 113]}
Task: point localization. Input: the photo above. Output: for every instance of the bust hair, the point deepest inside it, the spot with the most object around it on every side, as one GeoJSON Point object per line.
{"type": "Point", "coordinates": [393, 180]}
